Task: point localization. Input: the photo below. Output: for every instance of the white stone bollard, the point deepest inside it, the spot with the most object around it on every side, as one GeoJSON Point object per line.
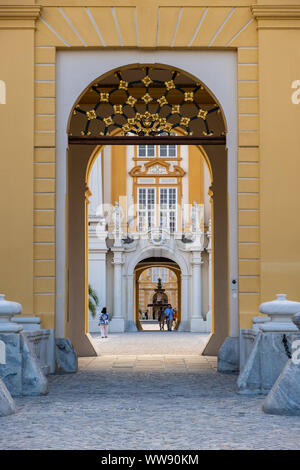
{"type": "Point", "coordinates": [28, 323]}
{"type": "Point", "coordinates": [281, 312]}
{"type": "Point", "coordinates": [258, 321]}
{"type": "Point", "coordinates": [284, 397]}
{"type": "Point", "coordinates": [41, 340]}
{"type": "Point", "coordinates": [7, 310]}
{"type": "Point", "coordinates": [21, 371]}
{"type": "Point", "coordinates": [270, 351]}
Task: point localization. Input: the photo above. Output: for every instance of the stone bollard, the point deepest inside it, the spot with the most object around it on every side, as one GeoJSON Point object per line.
{"type": "Point", "coordinates": [11, 369]}
{"type": "Point", "coordinates": [7, 310]}
{"type": "Point", "coordinates": [270, 351]}
{"type": "Point", "coordinates": [284, 397]}
{"type": "Point", "coordinates": [7, 404]}
{"type": "Point", "coordinates": [20, 372]}
{"type": "Point", "coordinates": [248, 337]}
{"type": "Point", "coordinates": [258, 321]}
{"type": "Point", "coordinates": [281, 312]}
{"type": "Point", "coordinates": [28, 323]}
{"type": "Point", "coordinates": [41, 340]}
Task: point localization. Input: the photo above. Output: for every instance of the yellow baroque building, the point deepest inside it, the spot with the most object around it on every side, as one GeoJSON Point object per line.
{"type": "Point", "coordinates": [224, 77]}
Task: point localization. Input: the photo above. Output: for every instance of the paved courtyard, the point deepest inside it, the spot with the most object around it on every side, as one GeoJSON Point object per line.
{"type": "Point", "coordinates": [149, 390]}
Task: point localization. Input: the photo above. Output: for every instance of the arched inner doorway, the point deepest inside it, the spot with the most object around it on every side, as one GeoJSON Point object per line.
{"type": "Point", "coordinates": [80, 157]}
{"type": "Point", "coordinates": [158, 283]}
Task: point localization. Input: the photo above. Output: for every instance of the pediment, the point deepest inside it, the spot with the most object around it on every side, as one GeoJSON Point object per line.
{"type": "Point", "coordinates": [157, 167]}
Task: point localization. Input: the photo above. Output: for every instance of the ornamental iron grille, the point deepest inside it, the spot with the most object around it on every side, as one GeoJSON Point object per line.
{"type": "Point", "coordinates": [147, 101]}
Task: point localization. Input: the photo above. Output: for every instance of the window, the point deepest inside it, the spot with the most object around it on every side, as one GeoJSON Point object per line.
{"type": "Point", "coordinates": [167, 151]}
{"type": "Point", "coordinates": [162, 273]}
{"type": "Point", "coordinates": [146, 209]}
{"type": "Point", "coordinates": [167, 208]}
{"type": "Point", "coordinates": [164, 151]}
{"type": "Point", "coordinates": [146, 151]}
{"type": "Point", "coordinates": [155, 275]}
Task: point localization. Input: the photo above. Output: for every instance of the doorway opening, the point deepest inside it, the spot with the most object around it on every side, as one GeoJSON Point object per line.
{"type": "Point", "coordinates": [150, 116]}
{"type": "Point", "coordinates": [158, 284]}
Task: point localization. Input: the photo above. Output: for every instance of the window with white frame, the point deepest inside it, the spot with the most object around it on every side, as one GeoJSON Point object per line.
{"type": "Point", "coordinates": [146, 208]}
{"type": "Point", "coordinates": [162, 273]}
{"type": "Point", "coordinates": [168, 208]}
{"type": "Point", "coordinates": [168, 151]}
{"type": "Point", "coordinates": [146, 151]}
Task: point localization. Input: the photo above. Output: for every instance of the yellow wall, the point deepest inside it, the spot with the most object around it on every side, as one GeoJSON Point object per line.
{"type": "Point", "coordinates": [119, 172]}
{"type": "Point", "coordinates": [195, 175]}
{"type": "Point", "coordinates": [279, 154]}
{"type": "Point", "coordinates": [16, 150]}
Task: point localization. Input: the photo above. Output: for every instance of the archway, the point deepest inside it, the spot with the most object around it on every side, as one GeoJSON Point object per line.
{"type": "Point", "coordinates": [79, 157]}
{"type": "Point", "coordinates": [167, 274]}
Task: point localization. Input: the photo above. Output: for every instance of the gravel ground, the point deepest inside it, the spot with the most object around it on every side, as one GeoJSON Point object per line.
{"type": "Point", "coordinates": [146, 401]}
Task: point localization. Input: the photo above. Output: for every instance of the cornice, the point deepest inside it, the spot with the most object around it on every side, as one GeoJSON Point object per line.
{"type": "Point", "coordinates": [20, 12]}
{"type": "Point", "coordinates": [276, 12]}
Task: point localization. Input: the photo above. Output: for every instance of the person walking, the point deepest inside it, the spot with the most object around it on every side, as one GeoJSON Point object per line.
{"type": "Point", "coordinates": [161, 319]}
{"type": "Point", "coordinates": [169, 312]}
{"type": "Point", "coordinates": [103, 322]}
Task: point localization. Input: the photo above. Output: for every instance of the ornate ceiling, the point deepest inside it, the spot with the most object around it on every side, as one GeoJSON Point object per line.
{"type": "Point", "coordinates": [147, 101]}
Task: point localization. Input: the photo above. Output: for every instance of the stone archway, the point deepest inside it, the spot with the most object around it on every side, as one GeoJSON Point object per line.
{"type": "Point", "coordinates": [183, 282]}
{"type": "Point", "coordinates": [171, 266]}
{"type": "Point", "coordinates": [78, 159]}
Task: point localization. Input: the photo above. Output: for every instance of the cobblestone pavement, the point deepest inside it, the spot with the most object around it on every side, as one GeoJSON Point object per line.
{"type": "Point", "coordinates": [150, 342]}
{"type": "Point", "coordinates": [143, 401]}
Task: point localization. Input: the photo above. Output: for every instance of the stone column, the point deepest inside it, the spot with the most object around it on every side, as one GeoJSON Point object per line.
{"type": "Point", "coordinates": [185, 296]}
{"type": "Point", "coordinates": [208, 249]}
{"type": "Point", "coordinates": [131, 325]}
{"type": "Point", "coordinates": [196, 319]}
{"type": "Point", "coordinates": [97, 268]}
{"type": "Point", "coordinates": [117, 324]}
